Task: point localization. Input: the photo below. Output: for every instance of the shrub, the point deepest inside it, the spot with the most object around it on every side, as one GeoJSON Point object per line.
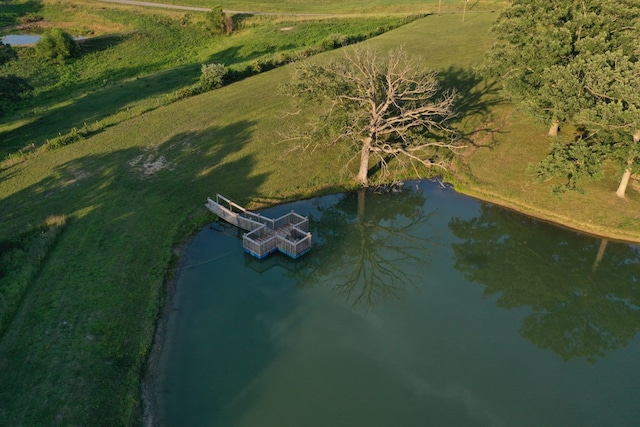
{"type": "Point", "coordinates": [215, 20]}
{"type": "Point", "coordinates": [334, 41]}
{"type": "Point", "coordinates": [212, 76]}
{"type": "Point", "coordinates": [58, 45]}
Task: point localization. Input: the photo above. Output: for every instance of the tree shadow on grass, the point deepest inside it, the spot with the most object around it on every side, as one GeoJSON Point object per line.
{"type": "Point", "coordinates": [477, 97]}
{"type": "Point", "coordinates": [13, 11]}
{"type": "Point", "coordinates": [100, 43]}
{"type": "Point", "coordinates": [77, 343]}
{"type": "Point", "coordinates": [93, 105]}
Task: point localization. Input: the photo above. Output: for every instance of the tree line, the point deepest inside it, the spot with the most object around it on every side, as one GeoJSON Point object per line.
{"type": "Point", "coordinates": [575, 61]}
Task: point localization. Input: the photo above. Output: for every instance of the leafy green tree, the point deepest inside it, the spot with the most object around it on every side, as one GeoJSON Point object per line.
{"type": "Point", "coordinates": [611, 81]}
{"type": "Point", "coordinates": [216, 20]}
{"type": "Point", "coordinates": [537, 39]}
{"type": "Point", "coordinates": [57, 45]}
{"type": "Point", "coordinates": [607, 84]}
{"type": "Point", "coordinates": [382, 106]}
{"type": "Point", "coordinates": [576, 61]}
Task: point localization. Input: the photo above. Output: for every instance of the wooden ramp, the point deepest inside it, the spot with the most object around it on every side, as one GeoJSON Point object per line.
{"type": "Point", "coordinates": [288, 234]}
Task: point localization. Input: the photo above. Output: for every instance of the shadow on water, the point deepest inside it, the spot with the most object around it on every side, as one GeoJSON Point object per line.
{"type": "Point", "coordinates": [584, 292]}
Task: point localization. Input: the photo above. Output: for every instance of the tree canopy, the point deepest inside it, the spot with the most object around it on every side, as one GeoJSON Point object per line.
{"type": "Point", "coordinates": [385, 106]}
{"type": "Point", "coordinates": [575, 61]}
{"type": "Point", "coordinates": [58, 45]}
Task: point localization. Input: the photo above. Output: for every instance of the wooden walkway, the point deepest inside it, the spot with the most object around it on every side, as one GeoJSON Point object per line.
{"type": "Point", "coordinates": [288, 234]}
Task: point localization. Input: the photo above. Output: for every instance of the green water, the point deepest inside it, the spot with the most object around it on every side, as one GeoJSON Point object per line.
{"type": "Point", "coordinates": [414, 308]}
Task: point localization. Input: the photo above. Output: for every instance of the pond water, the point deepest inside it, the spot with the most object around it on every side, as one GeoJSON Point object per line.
{"type": "Point", "coordinates": [414, 308]}
{"type": "Point", "coordinates": [21, 39]}
{"type": "Point", "coordinates": [26, 39]}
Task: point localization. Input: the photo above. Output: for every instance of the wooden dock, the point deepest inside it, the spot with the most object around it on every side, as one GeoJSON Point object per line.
{"type": "Point", "coordinates": [288, 234]}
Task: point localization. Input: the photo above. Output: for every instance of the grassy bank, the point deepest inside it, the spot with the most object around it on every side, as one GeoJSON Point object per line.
{"type": "Point", "coordinates": [75, 350]}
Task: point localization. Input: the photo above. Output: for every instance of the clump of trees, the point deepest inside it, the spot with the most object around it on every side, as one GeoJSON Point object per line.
{"type": "Point", "coordinates": [575, 61]}
{"type": "Point", "coordinates": [218, 22]}
{"type": "Point", "coordinates": [12, 87]}
{"type": "Point", "coordinates": [58, 45]}
{"type": "Point", "coordinates": [383, 106]}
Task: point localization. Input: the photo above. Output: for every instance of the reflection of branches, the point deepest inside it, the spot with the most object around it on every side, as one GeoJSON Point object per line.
{"type": "Point", "coordinates": [582, 308]}
{"type": "Point", "coordinates": [381, 266]}
{"type": "Point", "coordinates": [368, 254]}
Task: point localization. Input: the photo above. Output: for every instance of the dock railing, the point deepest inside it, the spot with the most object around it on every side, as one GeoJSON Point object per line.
{"type": "Point", "coordinates": [288, 233]}
{"type": "Point", "coordinates": [260, 242]}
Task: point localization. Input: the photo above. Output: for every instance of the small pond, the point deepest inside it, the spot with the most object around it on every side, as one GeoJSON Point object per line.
{"type": "Point", "coordinates": [26, 39]}
{"type": "Point", "coordinates": [414, 308]}
{"type": "Point", "coordinates": [21, 39]}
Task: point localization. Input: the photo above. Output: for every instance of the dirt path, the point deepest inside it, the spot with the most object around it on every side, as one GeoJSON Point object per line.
{"type": "Point", "coordinates": [205, 9]}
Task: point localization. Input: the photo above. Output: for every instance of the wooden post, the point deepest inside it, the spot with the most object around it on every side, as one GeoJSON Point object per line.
{"type": "Point", "coordinates": [439, 6]}
{"type": "Point", "coordinates": [464, 9]}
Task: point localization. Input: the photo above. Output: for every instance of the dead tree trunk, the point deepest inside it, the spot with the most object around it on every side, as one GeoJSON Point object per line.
{"type": "Point", "coordinates": [363, 173]}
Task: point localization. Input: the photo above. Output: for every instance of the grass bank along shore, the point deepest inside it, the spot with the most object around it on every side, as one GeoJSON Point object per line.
{"type": "Point", "coordinates": [76, 348]}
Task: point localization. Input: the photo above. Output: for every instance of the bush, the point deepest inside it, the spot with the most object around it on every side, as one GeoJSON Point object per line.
{"type": "Point", "coordinates": [58, 45]}
{"type": "Point", "coordinates": [334, 41]}
{"type": "Point", "coordinates": [212, 76]}
{"type": "Point", "coordinates": [216, 20]}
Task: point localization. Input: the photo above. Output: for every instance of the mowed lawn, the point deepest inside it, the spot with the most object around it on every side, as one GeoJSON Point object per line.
{"type": "Point", "coordinates": [75, 353]}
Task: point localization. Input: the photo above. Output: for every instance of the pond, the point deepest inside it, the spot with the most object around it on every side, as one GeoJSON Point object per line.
{"type": "Point", "coordinates": [415, 307]}
{"type": "Point", "coordinates": [21, 39]}
{"type": "Point", "coordinates": [26, 39]}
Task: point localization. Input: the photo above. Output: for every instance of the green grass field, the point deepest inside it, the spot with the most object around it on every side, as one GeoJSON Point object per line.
{"type": "Point", "coordinates": [352, 6]}
{"type": "Point", "coordinates": [75, 351]}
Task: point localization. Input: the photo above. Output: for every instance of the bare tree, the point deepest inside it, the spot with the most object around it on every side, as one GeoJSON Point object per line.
{"type": "Point", "coordinates": [385, 106]}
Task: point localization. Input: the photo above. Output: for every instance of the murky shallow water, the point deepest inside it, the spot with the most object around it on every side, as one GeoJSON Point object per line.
{"type": "Point", "coordinates": [416, 308]}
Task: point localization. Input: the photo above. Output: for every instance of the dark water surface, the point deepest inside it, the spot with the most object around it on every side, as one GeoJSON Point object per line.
{"type": "Point", "coordinates": [414, 308]}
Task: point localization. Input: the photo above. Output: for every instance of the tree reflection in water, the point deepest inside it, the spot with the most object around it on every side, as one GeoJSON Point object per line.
{"type": "Point", "coordinates": [585, 293]}
{"type": "Point", "coordinates": [366, 244]}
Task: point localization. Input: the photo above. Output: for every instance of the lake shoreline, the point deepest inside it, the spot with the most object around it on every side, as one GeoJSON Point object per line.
{"type": "Point", "coordinates": [553, 218]}
{"type": "Point", "coordinates": [150, 386]}
{"type": "Point", "coordinates": [150, 374]}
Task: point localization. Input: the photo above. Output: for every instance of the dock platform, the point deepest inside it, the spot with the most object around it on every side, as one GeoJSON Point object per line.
{"type": "Point", "coordinates": [288, 234]}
